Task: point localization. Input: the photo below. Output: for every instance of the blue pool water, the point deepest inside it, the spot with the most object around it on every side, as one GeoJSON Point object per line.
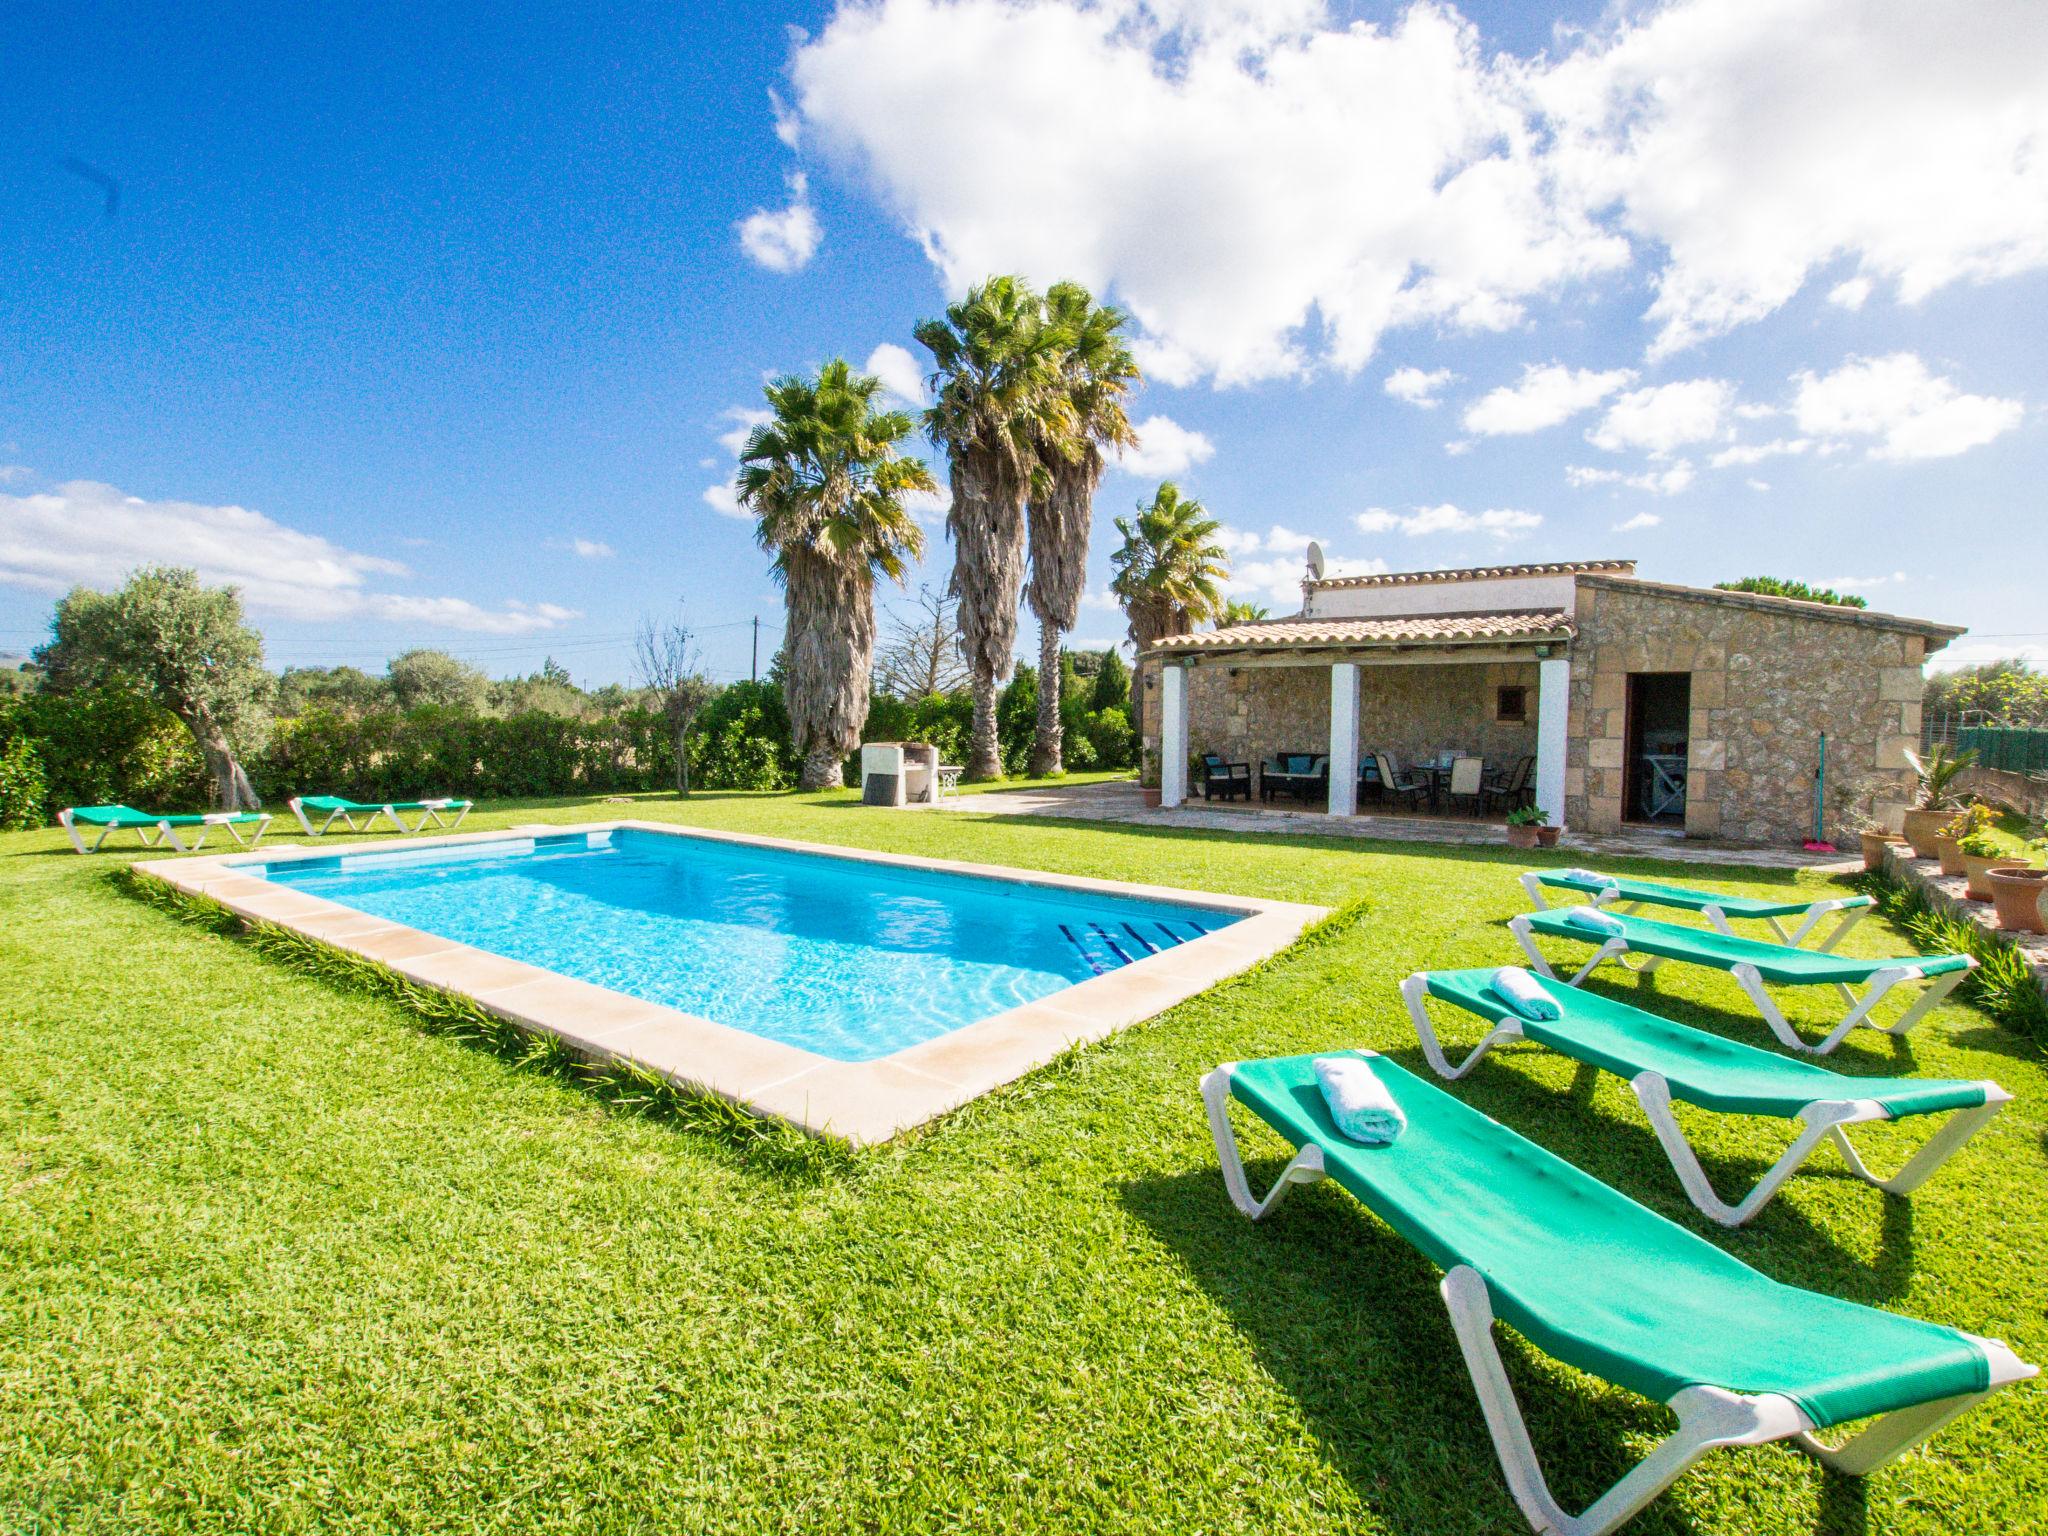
{"type": "Point", "coordinates": [849, 959]}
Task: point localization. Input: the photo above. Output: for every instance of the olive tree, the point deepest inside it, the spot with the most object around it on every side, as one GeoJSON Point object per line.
{"type": "Point", "coordinates": [183, 644]}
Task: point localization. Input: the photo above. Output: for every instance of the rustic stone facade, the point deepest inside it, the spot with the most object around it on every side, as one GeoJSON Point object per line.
{"type": "Point", "coordinates": [1767, 679]}
{"type": "Point", "coordinates": [1250, 713]}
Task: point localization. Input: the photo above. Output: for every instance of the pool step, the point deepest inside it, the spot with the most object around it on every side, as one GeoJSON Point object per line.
{"type": "Point", "coordinates": [1110, 946]}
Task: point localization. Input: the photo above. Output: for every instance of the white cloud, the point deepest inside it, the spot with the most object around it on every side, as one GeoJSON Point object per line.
{"type": "Point", "coordinates": [783, 239]}
{"type": "Point", "coordinates": [929, 507]}
{"type": "Point", "coordinates": [279, 570]}
{"type": "Point", "coordinates": [1851, 294]}
{"type": "Point", "coordinates": [1668, 481]}
{"type": "Point", "coordinates": [1754, 144]}
{"type": "Point", "coordinates": [1665, 417]}
{"type": "Point", "coordinates": [1165, 447]}
{"type": "Point", "coordinates": [898, 371]}
{"type": "Point", "coordinates": [1756, 453]}
{"type": "Point", "coordinates": [10, 473]}
{"type": "Point", "coordinates": [1863, 583]}
{"type": "Point", "coordinates": [1348, 178]}
{"type": "Point", "coordinates": [1417, 387]}
{"type": "Point", "coordinates": [1896, 400]}
{"type": "Point", "coordinates": [1639, 522]}
{"type": "Point", "coordinates": [592, 549]}
{"type": "Point", "coordinates": [1501, 523]}
{"type": "Point", "coordinates": [1758, 485]}
{"type": "Point", "coordinates": [725, 501]}
{"type": "Point", "coordinates": [1101, 599]}
{"type": "Point", "coordinates": [1263, 186]}
{"type": "Point", "coordinates": [1542, 397]}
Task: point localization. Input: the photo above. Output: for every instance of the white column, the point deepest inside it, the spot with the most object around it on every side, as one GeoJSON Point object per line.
{"type": "Point", "coordinates": [1344, 738]}
{"type": "Point", "coordinates": [1553, 709]}
{"type": "Point", "coordinates": [1173, 733]}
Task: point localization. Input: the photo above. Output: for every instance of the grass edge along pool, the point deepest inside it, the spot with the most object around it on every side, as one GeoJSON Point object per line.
{"type": "Point", "coordinates": [864, 1101]}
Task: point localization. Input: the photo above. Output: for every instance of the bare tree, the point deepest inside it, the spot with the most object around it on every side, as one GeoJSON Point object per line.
{"type": "Point", "coordinates": [673, 672]}
{"type": "Point", "coordinates": [923, 656]}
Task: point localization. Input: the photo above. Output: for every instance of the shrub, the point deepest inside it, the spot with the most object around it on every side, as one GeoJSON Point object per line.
{"type": "Point", "coordinates": [22, 787]}
{"type": "Point", "coordinates": [742, 740]}
{"type": "Point", "coordinates": [107, 745]}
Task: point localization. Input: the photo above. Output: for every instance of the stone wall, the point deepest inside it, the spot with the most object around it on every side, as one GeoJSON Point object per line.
{"type": "Point", "coordinates": [1765, 683]}
{"type": "Point", "coordinates": [1249, 713]}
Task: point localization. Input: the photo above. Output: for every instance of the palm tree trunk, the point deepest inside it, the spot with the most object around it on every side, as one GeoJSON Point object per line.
{"type": "Point", "coordinates": [1048, 746]}
{"type": "Point", "coordinates": [984, 750]}
{"type": "Point", "coordinates": [822, 769]}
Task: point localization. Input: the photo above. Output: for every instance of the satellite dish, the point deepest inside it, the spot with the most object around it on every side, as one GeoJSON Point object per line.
{"type": "Point", "coordinates": [1315, 561]}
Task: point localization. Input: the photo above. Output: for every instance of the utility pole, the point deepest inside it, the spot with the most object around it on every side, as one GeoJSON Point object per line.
{"type": "Point", "coordinates": [757, 648]}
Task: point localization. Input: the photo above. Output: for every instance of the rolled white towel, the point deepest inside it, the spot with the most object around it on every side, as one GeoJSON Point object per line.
{"type": "Point", "coordinates": [1359, 1101]}
{"type": "Point", "coordinates": [1595, 919]}
{"type": "Point", "coordinates": [1523, 993]}
{"type": "Point", "coordinates": [1589, 877]}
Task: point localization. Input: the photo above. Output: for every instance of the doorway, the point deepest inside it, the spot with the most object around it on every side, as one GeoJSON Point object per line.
{"type": "Point", "coordinates": [1659, 720]}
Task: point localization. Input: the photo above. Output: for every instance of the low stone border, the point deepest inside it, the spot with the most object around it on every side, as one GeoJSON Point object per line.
{"type": "Point", "coordinates": [1946, 892]}
{"type": "Point", "coordinates": [862, 1102]}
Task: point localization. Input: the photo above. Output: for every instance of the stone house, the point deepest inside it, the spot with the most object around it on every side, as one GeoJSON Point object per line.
{"type": "Point", "coordinates": [1642, 702]}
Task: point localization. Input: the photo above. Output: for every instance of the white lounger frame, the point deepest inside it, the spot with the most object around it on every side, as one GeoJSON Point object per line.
{"type": "Point", "coordinates": [1708, 1417]}
{"type": "Point", "coordinates": [1821, 1120]}
{"type": "Point", "coordinates": [1751, 981]}
{"type": "Point", "coordinates": [1852, 908]}
{"type": "Point", "coordinates": [166, 834]}
{"type": "Point", "coordinates": [430, 810]}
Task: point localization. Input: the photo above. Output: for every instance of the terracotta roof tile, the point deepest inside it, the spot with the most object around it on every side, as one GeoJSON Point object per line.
{"type": "Point", "coordinates": [1478, 573]}
{"type": "Point", "coordinates": [1403, 629]}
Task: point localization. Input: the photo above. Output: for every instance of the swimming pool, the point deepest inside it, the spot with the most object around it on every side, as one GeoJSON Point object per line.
{"type": "Point", "coordinates": [848, 991]}
{"type": "Point", "coordinates": [847, 959]}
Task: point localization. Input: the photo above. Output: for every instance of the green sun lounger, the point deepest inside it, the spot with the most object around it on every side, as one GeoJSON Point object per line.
{"type": "Point", "coordinates": [1665, 1060]}
{"type": "Point", "coordinates": [1720, 910]}
{"type": "Point", "coordinates": [1754, 964]}
{"type": "Point", "coordinates": [1595, 1280]}
{"type": "Point", "coordinates": [336, 808]}
{"type": "Point", "coordinates": [157, 831]}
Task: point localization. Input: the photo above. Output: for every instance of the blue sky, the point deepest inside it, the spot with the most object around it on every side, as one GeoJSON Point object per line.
{"type": "Point", "coordinates": [435, 299]}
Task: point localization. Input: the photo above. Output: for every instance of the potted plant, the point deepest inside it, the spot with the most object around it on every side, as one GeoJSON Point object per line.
{"type": "Point", "coordinates": [1861, 816]}
{"type": "Point", "coordinates": [1148, 776]}
{"type": "Point", "coordinates": [1938, 794]}
{"type": "Point", "coordinates": [1958, 829]}
{"type": "Point", "coordinates": [1981, 850]}
{"type": "Point", "coordinates": [2019, 892]}
{"type": "Point", "coordinates": [1529, 827]}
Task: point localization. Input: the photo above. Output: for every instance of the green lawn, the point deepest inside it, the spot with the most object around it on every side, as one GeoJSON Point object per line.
{"type": "Point", "coordinates": [272, 1259]}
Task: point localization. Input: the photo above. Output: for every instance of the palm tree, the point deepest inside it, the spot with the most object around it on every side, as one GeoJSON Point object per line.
{"type": "Point", "coordinates": [826, 482]}
{"type": "Point", "coordinates": [1098, 372]}
{"type": "Point", "coordinates": [998, 397]}
{"type": "Point", "coordinates": [1238, 611]}
{"type": "Point", "coordinates": [1167, 573]}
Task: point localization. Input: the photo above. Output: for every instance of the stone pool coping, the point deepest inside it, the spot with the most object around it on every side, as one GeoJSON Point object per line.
{"type": "Point", "coordinates": [865, 1102]}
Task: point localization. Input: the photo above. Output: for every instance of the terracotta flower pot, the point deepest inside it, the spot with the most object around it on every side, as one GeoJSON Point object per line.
{"type": "Point", "coordinates": [1874, 845]}
{"type": "Point", "coordinates": [1979, 888]}
{"type": "Point", "coordinates": [1546, 837]}
{"type": "Point", "coordinates": [1522, 837]}
{"type": "Point", "coordinates": [2021, 896]}
{"type": "Point", "coordinates": [1153, 796]}
{"type": "Point", "coordinates": [1922, 827]}
{"type": "Point", "coordinates": [1951, 856]}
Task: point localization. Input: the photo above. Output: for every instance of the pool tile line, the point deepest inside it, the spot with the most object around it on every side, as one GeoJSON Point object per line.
{"type": "Point", "coordinates": [864, 1102]}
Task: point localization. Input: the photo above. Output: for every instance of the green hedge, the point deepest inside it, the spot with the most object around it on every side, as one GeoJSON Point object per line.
{"type": "Point", "coordinates": [2010, 748]}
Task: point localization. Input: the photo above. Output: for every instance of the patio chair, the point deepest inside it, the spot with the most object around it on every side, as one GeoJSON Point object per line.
{"type": "Point", "coordinates": [1299, 775]}
{"type": "Point", "coordinates": [1368, 778]}
{"type": "Point", "coordinates": [125, 818]}
{"type": "Point", "coordinates": [1719, 909]}
{"type": "Point", "coordinates": [1467, 783]}
{"type": "Point", "coordinates": [1223, 780]}
{"type": "Point", "coordinates": [1753, 963]}
{"type": "Point", "coordinates": [1399, 787]}
{"type": "Point", "coordinates": [1509, 788]}
{"type": "Point", "coordinates": [338, 808]}
{"type": "Point", "coordinates": [1609, 1287]}
{"type": "Point", "coordinates": [1665, 1060]}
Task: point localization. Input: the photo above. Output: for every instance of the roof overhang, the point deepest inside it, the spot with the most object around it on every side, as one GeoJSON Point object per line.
{"type": "Point", "coordinates": [1519, 633]}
